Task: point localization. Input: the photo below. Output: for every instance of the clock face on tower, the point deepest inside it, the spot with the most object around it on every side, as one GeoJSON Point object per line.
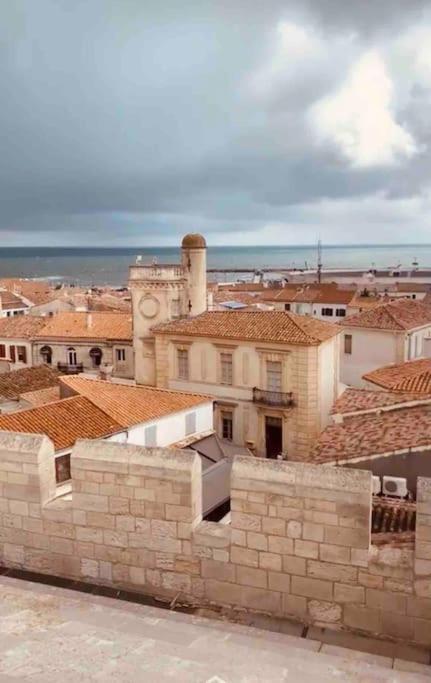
{"type": "Point", "coordinates": [149, 306]}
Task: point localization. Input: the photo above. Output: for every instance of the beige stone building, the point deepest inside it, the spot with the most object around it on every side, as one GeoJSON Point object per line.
{"type": "Point", "coordinates": [165, 292]}
{"type": "Point", "coordinates": [274, 374]}
{"type": "Point", "coordinates": [85, 342]}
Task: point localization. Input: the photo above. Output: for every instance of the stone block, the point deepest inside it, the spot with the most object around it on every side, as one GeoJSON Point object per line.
{"type": "Point", "coordinates": [247, 522]}
{"type": "Point", "coordinates": [419, 607]}
{"type": "Point", "coordinates": [223, 593]}
{"type": "Point", "coordinates": [143, 526]}
{"type": "Point", "coordinates": [294, 606]}
{"type": "Point", "coordinates": [179, 513]}
{"type": "Point", "coordinates": [90, 502]}
{"type": "Point", "coordinates": [222, 571]}
{"type": "Point", "coordinates": [274, 526]}
{"type": "Point", "coordinates": [238, 537]}
{"type": "Point", "coordinates": [423, 550]}
{"type": "Point", "coordinates": [18, 507]}
{"type": "Point", "coordinates": [363, 618]}
{"type": "Point", "coordinates": [423, 567]}
{"type": "Point", "coordinates": [174, 581]}
{"type": "Point", "coordinates": [398, 586]}
{"type": "Point", "coordinates": [244, 556]}
{"type": "Point", "coordinates": [387, 602]}
{"type": "Point", "coordinates": [261, 600]}
{"type": "Point", "coordinates": [312, 588]}
{"type": "Point", "coordinates": [115, 538]}
{"type": "Point", "coordinates": [294, 529]}
{"type": "Point", "coordinates": [308, 549]}
{"type": "Point", "coordinates": [270, 561]}
{"type": "Point", "coordinates": [359, 557]}
{"type": "Point", "coordinates": [324, 612]}
{"type": "Point", "coordinates": [334, 553]}
{"type": "Point", "coordinates": [257, 541]}
{"type": "Point", "coordinates": [279, 582]}
{"type": "Point", "coordinates": [247, 576]}
{"type": "Point", "coordinates": [89, 534]}
{"type": "Point", "coordinates": [352, 538]}
{"type": "Point", "coordinates": [313, 532]}
{"type": "Point", "coordinates": [212, 535]}
{"type": "Point", "coordinates": [332, 572]}
{"type": "Point", "coordinates": [423, 588]}
{"type": "Point", "coordinates": [280, 545]}
{"type": "Point", "coordinates": [13, 553]}
{"type": "Point", "coordinates": [164, 544]}
{"type": "Point", "coordinates": [163, 528]}
{"type": "Point", "coordinates": [119, 506]}
{"type": "Point", "coordinates": [294, 565]}
{"type": "Point", "coordinates": [90, 568]}
{"type": "Point", "coordinates": [397, 626]}
{"type": "Point", "coordinates": [125, 523]}
{"type": "Point", "coordinates": [59, 529]}
{"type": "Point", "coordinates": [345, 593]}
{"type": "Point", "coordinates": [61, 545]}
{"type": "Point", "coordinates": [422, 632]}
{"type": "Point", "coordinates": [120, 574]}
{"type": "Point", "coordinates": [137, 575]}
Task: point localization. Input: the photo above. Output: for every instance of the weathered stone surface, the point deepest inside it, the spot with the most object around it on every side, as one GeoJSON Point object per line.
{"type": "Point", "coordinates": [324, 612]}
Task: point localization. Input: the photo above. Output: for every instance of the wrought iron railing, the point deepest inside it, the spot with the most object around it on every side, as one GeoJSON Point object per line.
{"type": "Point", "coordinates": [273, 398]}
{"type": "Point", "coordinates": [70, 368]}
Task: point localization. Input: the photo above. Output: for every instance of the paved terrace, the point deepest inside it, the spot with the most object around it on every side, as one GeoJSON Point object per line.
{"type": "Point", "coordinates": [50, 633]}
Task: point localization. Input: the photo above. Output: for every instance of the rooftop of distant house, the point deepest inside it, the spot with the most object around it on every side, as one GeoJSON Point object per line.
{"type": "Point", "coordinates": [14, 384]}
{"type": "Point", "coordinates": [323, 293]}
{"type": "Point", "coordinates": [41, 397]}
{"type": "Point", "coordinates": [364, 400]}
{"type": "Point", "coordinates": [263, 326]}
{"type": "Point", "coordinates": [35, 291]}
{"type": "Point", "coordinates": [21, 326]}
{"type": "Point", "coordinates": [129, 405]}
{"type": "Point", "coordinates": [10, 301]}
{"type": "Point", "coordinates": [363, 436]}
{"type": "Point", "coordinates": [399, 315]}
{"type": "Point", "coordinates": [413, 287]}
{"type": "Point", "coordinates": [411, 376]}
{"type": "Point", "coordinates": [82, 325]}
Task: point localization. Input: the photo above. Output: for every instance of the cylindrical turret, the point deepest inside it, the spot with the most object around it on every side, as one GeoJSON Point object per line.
{"type": "Point", "coordinates": [194, 262]}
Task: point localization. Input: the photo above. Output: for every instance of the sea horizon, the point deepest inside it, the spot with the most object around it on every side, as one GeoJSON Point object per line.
{"type": "Point", "coordinates": [108, 265]}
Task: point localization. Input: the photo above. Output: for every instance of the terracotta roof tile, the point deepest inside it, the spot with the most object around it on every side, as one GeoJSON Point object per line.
{"type": "Point", "coordinates": [129, 405]}
{"type": "Point", "coordinates": [36, 291]}
{"type": "Point", "coordinates": [413, 375]}
{"type": "Point", "coordinates": [354, 400]}
{"type": "Point", "coordinates": [270, 326]}
{"type": "Point", "coordinates": [21, 326]}
{"type": "Point", "coordinates": [9, 301]}
{"type": "Point", "coordinates": [325, 293]}
{"type": "Point", "coordinates": [95, 325]}
{"type": "Point", "coordinates": [367, 435]}
{"type": "Point", "coordinates": [41, 397]}
{"type": "Point", "coordinates": [13, 384]}
{"type": "Point", "coordinates": [402, 314]}
{"type": "Point", "coordinates": [63, 422]}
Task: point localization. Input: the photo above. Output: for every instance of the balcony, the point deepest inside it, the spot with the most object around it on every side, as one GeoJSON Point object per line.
{"type": "Point", "coordinates": [280, 399]}
{"type": "Point", "coordinates": [70, 369]}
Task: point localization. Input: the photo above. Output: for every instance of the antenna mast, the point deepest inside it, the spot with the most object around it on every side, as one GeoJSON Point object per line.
{"type": "Point", "coordinates": [319, 261]}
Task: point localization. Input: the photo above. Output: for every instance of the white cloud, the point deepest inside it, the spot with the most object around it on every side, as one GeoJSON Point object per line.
{"type": "Point", "coordinates": [359, 119]}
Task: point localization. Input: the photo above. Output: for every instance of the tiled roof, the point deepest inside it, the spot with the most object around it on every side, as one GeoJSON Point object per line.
{"type": "Point", "coordinates": [63, 422]}
{"type": "Point", "coordinates": [21, 326]}
{"type": "Point", "coordinates": [413, 287]}
{"type": "Point", "coordinates": [403, 314]}
{"type": "Point", "coordinates": [413, 375]}
{"type": "Point", "coordinates": [270, 326]}
{"type": "Point", "coordinates": [41, 397]}
{"type": "Point", "coordinates": [354, 400]}
{"type": "Point", "coordinates": [95, 325]}
{"type": "Point", "coordinates": [325, 293]}
{"type": "Point", "coordinates": [129, 405]}
{"type": "Point", "coordinates": [242, 287]}
{"type": "Point", "coordinates": [365, 302]}
{"type": "Point", "coordinates": [10, 301]}
{"type": "Point", "coordinates": [367, 435]}
{"type": "Point", "coordinates": [36, 291]}
{"type": "Point", "coordinates": [13, 384]}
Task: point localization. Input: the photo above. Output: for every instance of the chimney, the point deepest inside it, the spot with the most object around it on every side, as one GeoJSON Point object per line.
{"type": "Point", "coordinates": [105, 372]}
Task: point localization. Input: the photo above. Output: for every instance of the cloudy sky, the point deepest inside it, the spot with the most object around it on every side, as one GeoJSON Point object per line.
{"type": "Point", "coordinates": [130, 122]}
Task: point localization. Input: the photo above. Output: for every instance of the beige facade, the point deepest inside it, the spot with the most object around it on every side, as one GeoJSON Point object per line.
{"type": "Point", "coordinates": [70, 352]}
{"type": "Point", "coordinates": [299, 544]}
{"type": "Point", "coordinates": [297, 403]}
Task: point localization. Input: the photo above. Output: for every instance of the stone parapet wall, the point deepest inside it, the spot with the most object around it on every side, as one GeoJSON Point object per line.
{"type": "Point", "coordinates": [298, 544]}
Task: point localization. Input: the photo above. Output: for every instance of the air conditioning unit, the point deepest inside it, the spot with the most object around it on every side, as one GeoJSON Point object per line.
{"type": "Point", "coordinates": [377, 485]}
{"type": "Point", "coordinates": [395, 486]}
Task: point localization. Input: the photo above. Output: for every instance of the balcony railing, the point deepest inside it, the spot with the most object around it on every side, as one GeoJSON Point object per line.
{"type": "Point", "coordinates": [70, 368]}
{"type": "Point", "coordinates": [273, 398]}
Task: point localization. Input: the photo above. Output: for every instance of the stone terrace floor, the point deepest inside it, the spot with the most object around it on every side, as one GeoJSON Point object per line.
{"type": "Point", "coordinates": [49, 634]}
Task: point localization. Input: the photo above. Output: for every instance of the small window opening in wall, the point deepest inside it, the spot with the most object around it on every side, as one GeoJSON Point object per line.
{"type": "Point", "coordinates": [348, 343]}
{"type": "Point", "coordinates": [120, 355]}
{"type": "Point", "coordinates": [227, 425]}
{"type": "Point", "coordinates": [183, 363]}
{"type": "Point", "coordinates": [340, 312]}
{"type": "Point", "coordinates": [327, 311]}
{"type": "Point", "coordinates": [62, 468]}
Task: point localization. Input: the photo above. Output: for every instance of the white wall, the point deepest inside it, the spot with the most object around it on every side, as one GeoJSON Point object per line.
{"type": "Point", "coordinates": [370, 350]}
{"type": "Point", "coordinates": [172, 428]}
{"type": "Point", "coordinates": [328, 379]}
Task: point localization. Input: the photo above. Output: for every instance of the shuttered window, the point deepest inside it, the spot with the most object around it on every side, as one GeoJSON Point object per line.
{"type": "Point", "coordinates": [226, 368]}
{"type": "Point", "coordinates": [183, 363]}
{"type": "Point", "coordinates": [273, 375]}
{"type": "Point", "coordinates": [2, 351]}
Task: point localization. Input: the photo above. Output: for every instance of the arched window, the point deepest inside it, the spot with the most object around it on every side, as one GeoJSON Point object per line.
{"type": "Point", "coordinates": [72, 358]}
{"type": "Point", "coordinates": [46, 353]}
{"type": "Point", "coordinates": [96, 356]}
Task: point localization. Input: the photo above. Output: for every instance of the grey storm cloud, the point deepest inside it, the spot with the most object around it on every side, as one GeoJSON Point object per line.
{"type": "Point", "coordinates": [123, 120]}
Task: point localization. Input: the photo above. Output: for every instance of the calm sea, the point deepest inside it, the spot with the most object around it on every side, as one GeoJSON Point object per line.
{"type": "Point", "coordinates": [110, 266]}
